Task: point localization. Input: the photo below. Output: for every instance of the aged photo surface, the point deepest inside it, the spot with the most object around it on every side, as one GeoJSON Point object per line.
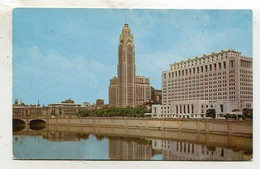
{"type": "Point", "coordinates": [132, 84]}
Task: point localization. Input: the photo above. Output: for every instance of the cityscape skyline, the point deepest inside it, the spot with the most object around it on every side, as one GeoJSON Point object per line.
{"type": "Point", "coordinates": [42, 50]}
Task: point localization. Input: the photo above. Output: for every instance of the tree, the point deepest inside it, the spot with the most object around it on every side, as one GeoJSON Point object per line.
{"type": "Point", "coordinates": [83, 113]}
{"type": "Point", "coordinates": [248, 113]}
{"type": "Point", "coordinates": [235, 110]}
{"type": "Point", "coordinates": [227, 116]}
{"type": "Point", "coordinates": [211, 113]}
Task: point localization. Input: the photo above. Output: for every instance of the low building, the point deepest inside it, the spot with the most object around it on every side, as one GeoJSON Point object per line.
{"type": "Point", "coordinates": [194, 109]}
{"type": "Point", "coordinates": [87, 106]}
{"type": "Point", "coordinates": [100, 103]}
{"type": "Point", "coordinates": [23, 110]}
{"type": "Point", "coordinates": [67, 107]}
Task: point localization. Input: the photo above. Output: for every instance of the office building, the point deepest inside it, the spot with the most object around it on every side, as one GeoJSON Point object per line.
{"type": "Point", "coordinates": [221, 80]}
{"type": "Point", "coordinates": [127, 89]}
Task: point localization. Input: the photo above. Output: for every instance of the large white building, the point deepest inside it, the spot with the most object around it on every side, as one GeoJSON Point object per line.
{"type": "Point", "coordinates": [221, 80]}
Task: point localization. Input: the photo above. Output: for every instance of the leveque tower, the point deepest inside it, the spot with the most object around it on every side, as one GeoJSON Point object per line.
{"type": "Point", "coordinates": [127, 89]}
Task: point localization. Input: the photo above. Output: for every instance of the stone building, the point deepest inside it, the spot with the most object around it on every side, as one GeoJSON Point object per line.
{"type": "Point", "coordinates": [67, 107]}
{"type": "Point", "coordinates": [87, 106]}
{"type": "Point", "coordinates": [156, 96]}
{"type": "Point", "coordinates": [99, 103]}
{"type": "Point", "coordinates": [127, 89]}
{"type": "Point", "coordinates": [221, 80]}
{"type": "Point", "coordinates": [23, 110]}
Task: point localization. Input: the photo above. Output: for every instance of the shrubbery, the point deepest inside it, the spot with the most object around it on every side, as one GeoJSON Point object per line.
{"type": "Point", "coordinates": [248, 113]}
{"type": "Point", "coordinates": [211, 113]}
{"type": "Point", "coordinates": [114, 112]}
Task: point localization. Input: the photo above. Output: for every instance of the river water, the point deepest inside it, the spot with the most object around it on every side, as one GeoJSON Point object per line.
{"type": "Point", "coordinates": [91, 144]}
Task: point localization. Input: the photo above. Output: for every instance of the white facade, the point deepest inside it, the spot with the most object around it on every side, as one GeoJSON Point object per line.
{"type": "Point", "coordinates": [222, 80]}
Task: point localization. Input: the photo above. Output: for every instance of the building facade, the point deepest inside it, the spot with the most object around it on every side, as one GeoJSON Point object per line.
{"type": "Point", "coordinates": [65, 108]}
{"type": "Point", "coordinates": [221, 80]}
{"type": "Point", "coordinates": [23, 110]}
{"type": "Point", "coordinates": [156, 96]}
{"type": "Point", "coordinates": [127, 89]}
{"type": "Point", "coordinates": [99, 103]}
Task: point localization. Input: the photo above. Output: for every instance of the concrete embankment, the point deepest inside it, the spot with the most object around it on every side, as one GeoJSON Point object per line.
{"type": "Point", "coordinates": [212, 126]}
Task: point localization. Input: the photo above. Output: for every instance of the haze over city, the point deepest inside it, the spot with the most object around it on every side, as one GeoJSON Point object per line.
{"type": "Point", "coordinates": [68, 53]}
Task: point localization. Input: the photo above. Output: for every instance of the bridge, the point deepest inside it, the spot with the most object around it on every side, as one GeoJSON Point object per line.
{"type": "Point", "coordinates": [31, 120]}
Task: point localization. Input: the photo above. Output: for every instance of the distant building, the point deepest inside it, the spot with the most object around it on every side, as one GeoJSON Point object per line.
{"type": "Point", "coordinates": [221, 80]}
{"type": "Point", "coordinates": [127, 89]}
{"type": "Point", "coordinates": [99, 103]}
{"type": "Point", "coordinates": [67, 107]}
{"type": "Point", "coordinates": [26, 110]}
{"type": "Point", "coordinates": [156, 96]}
{"type": "Point", "coordinates": [87, 105]}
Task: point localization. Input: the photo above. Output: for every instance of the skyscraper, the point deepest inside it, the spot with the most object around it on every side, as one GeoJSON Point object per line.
{"type": "Point", "coordinates": [128, 89]}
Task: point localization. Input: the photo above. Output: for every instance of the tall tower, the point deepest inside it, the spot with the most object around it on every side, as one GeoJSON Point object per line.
{"type": "Point", "coordinates": [126, 94]}
{"type": "Point", "coordinates": [127, 89]}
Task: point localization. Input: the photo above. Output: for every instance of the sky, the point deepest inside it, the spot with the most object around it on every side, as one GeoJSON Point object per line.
{"type": "Point", "coordinates": [72, 53]}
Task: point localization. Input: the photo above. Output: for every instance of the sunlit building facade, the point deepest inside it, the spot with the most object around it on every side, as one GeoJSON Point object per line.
{"type": "Point", "coordinates": [127, 89]}
{"type": "Point", "coordinates": [221, 80]}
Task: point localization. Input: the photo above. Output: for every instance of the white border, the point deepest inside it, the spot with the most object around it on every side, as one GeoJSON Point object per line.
{"type": "Point", "coordinates": [6, 7]}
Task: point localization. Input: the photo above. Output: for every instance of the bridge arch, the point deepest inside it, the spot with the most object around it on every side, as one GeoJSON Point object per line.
{"type": "Point", "coordinates": [19, 121]}
{"type": "Point", "coordinates": [34, 121]}
{"type": "Point", "coordinates": [37, 124]}
{"type": "Point", "coordinates": [18, 125]}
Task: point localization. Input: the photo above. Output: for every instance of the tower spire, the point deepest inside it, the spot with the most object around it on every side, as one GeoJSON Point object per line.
{"type": "Point", "coordinates": [125, 19]}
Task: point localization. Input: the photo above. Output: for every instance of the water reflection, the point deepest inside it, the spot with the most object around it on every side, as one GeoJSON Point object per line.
{"type": "Point", "coordinates": [83, 145]}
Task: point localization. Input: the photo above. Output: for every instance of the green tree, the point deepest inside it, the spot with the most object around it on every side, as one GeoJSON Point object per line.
{"type": "Point", "coordinates": [211, 113]}
{"type": "Point", "coordinates": [227, 116]}
{"type": "Point", "coordinates": [83, 113]}
{"type": "Point", "coordinates": [235, 110]}
{"type": "Point", "coordinates": [248, 113]}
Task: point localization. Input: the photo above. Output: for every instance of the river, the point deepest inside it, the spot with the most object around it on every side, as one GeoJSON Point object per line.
{"type": "Point", "coordinates": [91, 144]}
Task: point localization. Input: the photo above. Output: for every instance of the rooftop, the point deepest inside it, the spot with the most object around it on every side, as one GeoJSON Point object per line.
{"type": "Point", "coordinates": [206, 55]}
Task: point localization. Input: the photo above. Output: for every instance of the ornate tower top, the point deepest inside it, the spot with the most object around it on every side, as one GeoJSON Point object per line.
{"type": "Point", "coordinates": [126, 37]}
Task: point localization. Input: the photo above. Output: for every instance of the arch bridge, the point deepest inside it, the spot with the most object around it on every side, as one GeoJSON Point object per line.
{"type": "Point", "coordinates": [29, 120]}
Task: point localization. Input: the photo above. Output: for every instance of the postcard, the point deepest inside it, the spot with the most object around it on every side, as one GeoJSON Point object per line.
{"type": "Point", "coordinates": [132, 84]}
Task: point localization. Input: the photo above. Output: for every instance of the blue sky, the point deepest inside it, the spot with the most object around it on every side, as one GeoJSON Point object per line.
{"type": "Point", "coordinates": [72, 53]}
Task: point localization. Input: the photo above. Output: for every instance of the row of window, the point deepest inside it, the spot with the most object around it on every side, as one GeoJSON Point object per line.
{"type": "Point", "coordinates": [196, 61]}
{"type": "Point", "coordinates": [201, 69]}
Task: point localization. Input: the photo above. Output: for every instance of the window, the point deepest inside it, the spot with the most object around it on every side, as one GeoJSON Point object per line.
{"type": "Point", "coordinates": [221, 108]}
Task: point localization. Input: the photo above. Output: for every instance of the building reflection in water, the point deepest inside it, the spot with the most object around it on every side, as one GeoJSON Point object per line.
{"type": "Point", "coordinates": [129, 149]}
{"type": "Point", "coordinates": [132, 148]}
{"type": "Point", "coordinates": [58, 136]}
{"type": "Point", "coordinates": [178, 150]}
